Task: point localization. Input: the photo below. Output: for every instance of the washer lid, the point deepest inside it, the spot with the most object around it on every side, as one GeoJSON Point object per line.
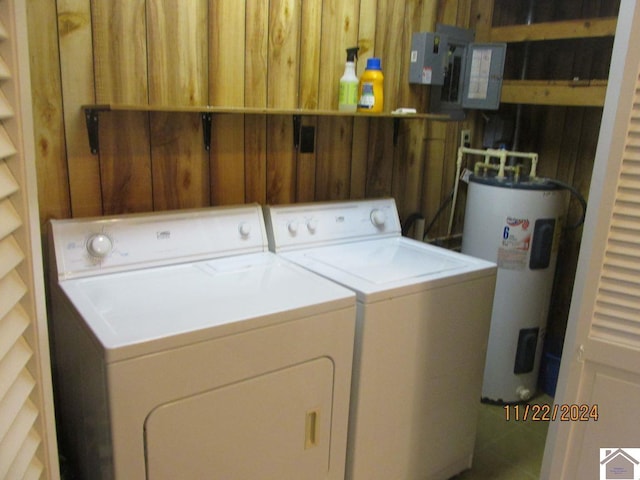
{"type": "Point", "coordinates": [385, 262]}
{"type": "Point", "coordinates": [378, 268]}
{"type": "Point", "coordinates": [132, 313]}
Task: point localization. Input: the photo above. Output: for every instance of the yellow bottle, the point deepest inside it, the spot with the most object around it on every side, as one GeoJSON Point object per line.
{"type": "Point", "coordinates": [370, 93]}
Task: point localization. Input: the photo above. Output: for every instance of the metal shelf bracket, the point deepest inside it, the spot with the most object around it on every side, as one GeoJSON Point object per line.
{"type": "Point", "coordinates": [206, 130]}
{"type": "Point", "coordinates": [297, 121]}
{"type": "Point", "coordinates": [91, 117]}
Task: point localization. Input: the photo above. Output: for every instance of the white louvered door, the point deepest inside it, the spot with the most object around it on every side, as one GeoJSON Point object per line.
{"type": "Point", "coordinates": [601, 357]}
{"type": "Point", "coordinates": [27, 433]}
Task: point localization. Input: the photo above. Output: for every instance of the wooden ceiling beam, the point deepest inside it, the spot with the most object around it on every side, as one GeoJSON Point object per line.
{"type": "Point", "coordinates": [583, 93]}
{"type": "Point", "coordinates": [582, 28]}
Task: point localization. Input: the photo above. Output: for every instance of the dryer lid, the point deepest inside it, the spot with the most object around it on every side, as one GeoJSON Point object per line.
{"type": "Point", "coordinates": [132, 313]}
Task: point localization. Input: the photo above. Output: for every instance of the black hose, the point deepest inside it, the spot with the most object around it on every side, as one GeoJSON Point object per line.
{"type": "Point", "coordinates": [417, 215]}
{"type": "Point", "coordinates": [438, 213]}
{"type": "Point", "coordinates": [410, 221]}
{"type": "Point", "coordinates": [576, 194]}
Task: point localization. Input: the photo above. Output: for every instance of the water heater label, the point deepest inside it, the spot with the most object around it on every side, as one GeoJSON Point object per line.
{"type": "Point", "coordinates": [516, 241]}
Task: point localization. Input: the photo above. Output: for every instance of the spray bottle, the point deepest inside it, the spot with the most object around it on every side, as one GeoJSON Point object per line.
{"type": "Point", "coordinates": [348, 97]}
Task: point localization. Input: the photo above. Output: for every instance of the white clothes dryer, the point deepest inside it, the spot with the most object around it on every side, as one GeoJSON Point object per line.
{"type": "Point", "coordinates": [184, 349]}
{"type": "Point", "coordinates": [423, 316]}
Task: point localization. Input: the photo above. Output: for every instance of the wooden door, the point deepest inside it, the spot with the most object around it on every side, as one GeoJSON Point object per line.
{"type": "Point", "coordinates": [27, 433]}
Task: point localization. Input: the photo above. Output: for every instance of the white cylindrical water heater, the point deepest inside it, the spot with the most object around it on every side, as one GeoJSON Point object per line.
{"type": "Point", "coordinates": [516, 225]}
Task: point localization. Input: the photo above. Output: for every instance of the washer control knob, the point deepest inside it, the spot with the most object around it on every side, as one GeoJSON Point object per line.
{"type": "Point", "coordinates": [292, 226]}
{"type": "Point", "coordinates": [378, 217]}
{"type": "Point", "coordinates": [244, 229]}
{"type": "Point", "coordinates": [312, 225]}
{"type": "Point", "coordinates": [99, 245]}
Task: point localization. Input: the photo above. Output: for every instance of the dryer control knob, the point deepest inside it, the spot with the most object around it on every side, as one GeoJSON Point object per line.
{"type": "Point", "coordinates": [292, 226]}
{"type": "Point", "coordinates": [99, 245]}
{"type": "Point", "coordinates": [378, 217]}
{"type": "Point", "coordinates": [244, 229]}
{"type": "Point", "coordinates": [312, 225]}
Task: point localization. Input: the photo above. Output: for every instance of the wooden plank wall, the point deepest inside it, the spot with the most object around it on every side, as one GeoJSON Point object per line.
{"type": "Point", "coordinates": [257, 53]}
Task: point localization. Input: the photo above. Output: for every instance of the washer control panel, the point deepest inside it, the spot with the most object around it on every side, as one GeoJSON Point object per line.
{"type": "Point", "coordinates": [104, 244]}
{"type": "Point", "coordinates": [301, 225]}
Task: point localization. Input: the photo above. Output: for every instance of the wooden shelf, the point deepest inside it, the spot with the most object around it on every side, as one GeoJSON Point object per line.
{"type": "Point", "coordinates": [582, 28]}
{"type": "Point", "coordinates": [110, 107]}
{"type": "Point", "coordinates": [576, 93]}
{"type": "Point", "coordinates": [206, 111]}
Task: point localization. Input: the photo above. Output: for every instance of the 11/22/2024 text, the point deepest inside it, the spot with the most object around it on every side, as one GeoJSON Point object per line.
{"type": "Point", "coordinates": [545, 412]}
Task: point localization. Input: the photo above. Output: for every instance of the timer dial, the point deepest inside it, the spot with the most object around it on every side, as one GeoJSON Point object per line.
{"type": "Point", "coordinates": [99, 245]}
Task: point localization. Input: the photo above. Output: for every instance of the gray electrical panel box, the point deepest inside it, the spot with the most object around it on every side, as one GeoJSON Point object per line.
{"type": "Point", "coordinates": [482, 83]}
{"type": "Point", "coordinates": [462, 74]}
{"type": "Point", "coordinates": [427, 65]}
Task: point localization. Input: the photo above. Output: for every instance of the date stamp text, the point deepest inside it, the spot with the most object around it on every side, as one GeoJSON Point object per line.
{"type": "Point", "coordinates": [551, 413]}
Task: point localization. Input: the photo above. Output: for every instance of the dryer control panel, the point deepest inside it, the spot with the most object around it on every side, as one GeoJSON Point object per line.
{"type": "Point", "coordinates": [303, 225]}
{"type": "Point", "coordinates": [107, 244]}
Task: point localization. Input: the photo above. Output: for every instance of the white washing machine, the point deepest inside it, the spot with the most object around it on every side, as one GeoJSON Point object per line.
{"type": "Point", "coordinates": [184, 349]}
{"type": "Point", "coordinates": [423, 316]}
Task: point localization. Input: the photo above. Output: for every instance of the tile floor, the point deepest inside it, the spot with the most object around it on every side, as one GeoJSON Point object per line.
{"type": "Point", "coordinates": [507, 450]}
